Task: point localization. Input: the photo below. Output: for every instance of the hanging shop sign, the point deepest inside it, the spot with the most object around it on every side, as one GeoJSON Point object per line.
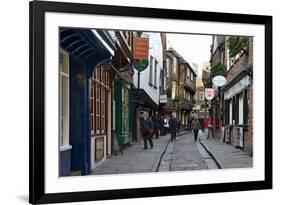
{"type": "Point", "coordinates": [209, 93]}
{"type": "Point", "coordinates": [163, 99]}
{"type": "Point", "coordinates": [140, 53]}
{"type": "Point", "coordinates": [219, 81]}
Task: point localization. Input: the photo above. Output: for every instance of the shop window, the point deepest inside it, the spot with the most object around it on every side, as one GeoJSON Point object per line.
{"type": "Point", "coordinates": [168, 66]}
{"type": "Point", "coordinates": [174, 65]}
{"type": "Point", "coordinates": [245, 107]}
{"type": "Point", "coordinates": [174, 87]}
{"type": "Point", "coordinates": [98, 92]}
{"type": "Point", "coordinates": [241, 101]}
{"type": "Point", "coordinates": [64, 97]}
{"type": "Point", "coordinates": [235, 110]}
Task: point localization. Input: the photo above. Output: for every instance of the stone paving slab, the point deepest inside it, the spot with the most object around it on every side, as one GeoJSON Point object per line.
{"type": "Point", "coordinates": [186, 155]}
{"type": "Point", "coordinates": [134, 159]}
{"type": "Point", "coordinates": [227, 155]}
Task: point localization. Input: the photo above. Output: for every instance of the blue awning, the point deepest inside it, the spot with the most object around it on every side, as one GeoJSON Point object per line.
{"type": "Point", "coordinates": [87, 44]}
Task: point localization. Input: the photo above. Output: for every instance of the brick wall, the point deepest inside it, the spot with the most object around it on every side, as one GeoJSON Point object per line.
{"type": "Point", "coordinates": [250, 51]}
{"type": "Point", "coordinates": [216, 57]}
{"type": "Point", "coordinates": [240, 64]}
{"type": "Point", "coordinates": [248, 143]}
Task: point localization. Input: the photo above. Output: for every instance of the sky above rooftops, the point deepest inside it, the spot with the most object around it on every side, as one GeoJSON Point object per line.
{"type": "Point", "coordinates": [195, 49]}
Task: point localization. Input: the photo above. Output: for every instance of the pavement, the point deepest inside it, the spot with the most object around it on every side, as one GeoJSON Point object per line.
{"type": "Point", "coordinates": [181, 154]}
{"type": "Point", "coordinates": [226, 155]}
{"type": "Point", "coordinates": [134, 159]}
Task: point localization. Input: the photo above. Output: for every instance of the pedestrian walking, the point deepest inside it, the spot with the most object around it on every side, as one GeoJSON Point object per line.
{"type": "Point", "coordinates": [173, 124]}
{"type": "Point", "coordinates": [195, 127]}
{"type": "Point", "coordinates": [146, 128]}
{"type": "Point", "coordinates": [207, 126]}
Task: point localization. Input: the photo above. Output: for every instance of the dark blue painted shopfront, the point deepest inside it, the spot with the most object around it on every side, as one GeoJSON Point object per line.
{"type": "Point", "coordinates": [86, 48]}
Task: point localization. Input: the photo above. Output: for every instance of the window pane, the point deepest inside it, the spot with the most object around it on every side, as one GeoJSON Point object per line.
{"type": "Point", "coordinates": [174, 65]}
{"type": "Point", "coordinates": [241, 108]}
{"type": "Point", "coordinates": [65, 109]}
{"type": "Point", "coordinates": [173, 90]}
{"type": "Point", "coordinates": [64, 61]}
{"type": "Point", "coordinates": [98, 73]}
{"type": "Point", "coordinates": [97, 124]}
{"type": "Point", "coordinates": [97, 108]}
{"type": "Point", "coordinates": [97, 92]}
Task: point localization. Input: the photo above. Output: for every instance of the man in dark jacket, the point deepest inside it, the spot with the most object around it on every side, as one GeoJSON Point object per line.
{"type": "Point", "coordinates": [146, 128]}
{"type": "Point", "coordinates": [173, 124]}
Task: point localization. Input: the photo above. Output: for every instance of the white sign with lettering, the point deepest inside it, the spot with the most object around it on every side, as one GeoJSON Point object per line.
{"type": "Point", "coordinates": [237, 88]}
{"type": "Point", "coordinates": [163, 99]}
{"type": "Point", "coordinates": [219, 80]}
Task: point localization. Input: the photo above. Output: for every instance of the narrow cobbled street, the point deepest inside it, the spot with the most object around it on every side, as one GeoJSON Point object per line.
{"type": "Point", "coordinates": [179, 155]}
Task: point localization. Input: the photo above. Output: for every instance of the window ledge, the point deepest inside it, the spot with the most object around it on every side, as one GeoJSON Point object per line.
{"type": "Point", "coordinates": [65, 147]}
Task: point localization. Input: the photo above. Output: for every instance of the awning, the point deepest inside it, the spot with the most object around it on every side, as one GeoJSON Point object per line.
{"type": "Point", "coordinates": [87, 45]}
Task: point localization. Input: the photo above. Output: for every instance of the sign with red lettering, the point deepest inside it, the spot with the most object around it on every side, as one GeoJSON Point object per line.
{"type": "Point", "coordinates": [209, 93]}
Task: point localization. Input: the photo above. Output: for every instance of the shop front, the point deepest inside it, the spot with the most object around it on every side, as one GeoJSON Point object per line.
{"type": "Point", "coordinates": [100, 86]}
{"type": "Point", "coordinates": [236, 112]}
{"type": "Point", "coordinates": [123, 112]}
{"type": "Point", "coordinates": [81, 51]}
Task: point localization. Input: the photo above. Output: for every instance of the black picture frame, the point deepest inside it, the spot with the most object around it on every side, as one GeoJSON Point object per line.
{"type": "Point", "coordinates": [37, 9]}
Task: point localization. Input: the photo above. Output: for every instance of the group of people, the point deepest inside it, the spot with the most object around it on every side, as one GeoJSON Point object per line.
{"type": "Point", "coordinates": [203, 124]}
{"type": "Point", "coordinates": [151, 126]}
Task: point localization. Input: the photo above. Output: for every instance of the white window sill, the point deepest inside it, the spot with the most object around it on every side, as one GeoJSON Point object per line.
{"type": "Point", "coordinates": [65, 147]}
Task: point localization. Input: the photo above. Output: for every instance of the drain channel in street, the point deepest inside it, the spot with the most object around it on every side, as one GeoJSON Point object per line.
{"type": "Point", "coordinates": [168, 155]}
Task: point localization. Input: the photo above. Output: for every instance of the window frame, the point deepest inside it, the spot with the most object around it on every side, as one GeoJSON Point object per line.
{"type": "Point", "coordinates": [151, 70]}
{"type": "Point", "coordinates": [64, 123]}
